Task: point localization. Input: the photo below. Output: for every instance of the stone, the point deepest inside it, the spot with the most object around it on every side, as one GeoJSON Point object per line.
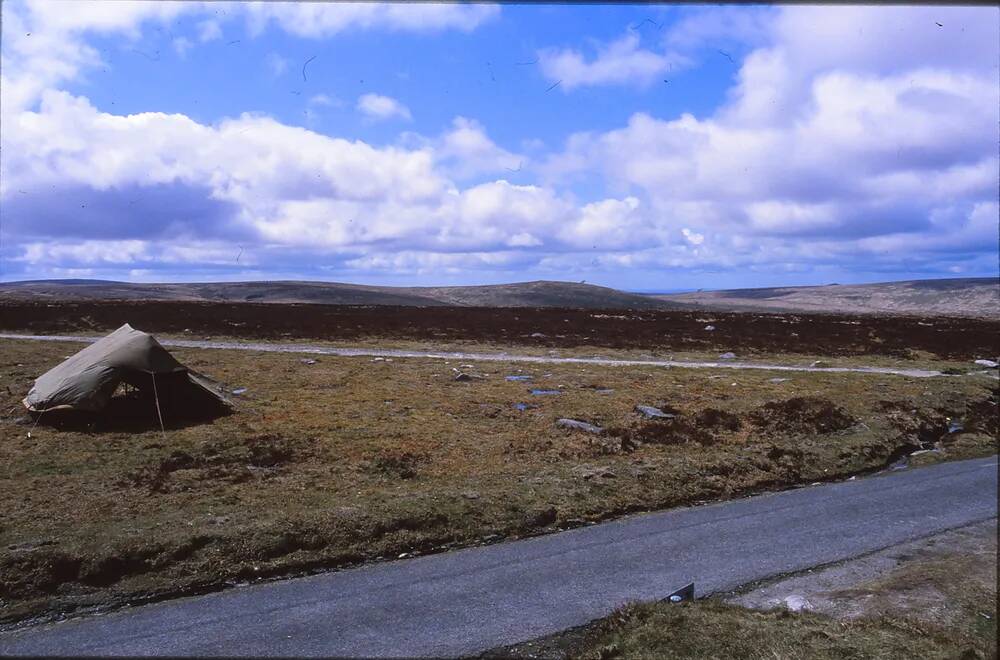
{"type": "Point", "coordinates": [797, 603]}
{"type": "Point", "coordinates": [728, 356]}
{"type": "Point", "coordinates": [577, 425]}
{"type": "Point", "coordinates": [593, 472]}
{"type": "Point", "coordinates": [307, 361]}
{"type": "Point", "coordinates": [29, 546]}
{"type": "Point", "coordinates": [777, 380]}
{"type": "Point", "coordinates": [710, 328]}
{"type": "Point", "coordinates": [987, 363]}
{"type": "Point", "coordinates": [650, 412]}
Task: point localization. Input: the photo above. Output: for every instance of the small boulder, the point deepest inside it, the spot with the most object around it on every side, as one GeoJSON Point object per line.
{"type": "Point", "coordinates": [307, 361]}
{"type": "Point", "coordinates": [593, 472]}
{"type": "Point", "coordinates": [990, 364]}
{"type": "Point", "coordinates": [797, 603]}
{"type": "Point", "coordinates": [577, 425]}
{"type": "Point", "coordinates": [728, 356]}
{"type": "Point", "coordinates": [777, 380]}
{"type": "Point", "coordinates": [29, 546]}
{"type": "Point", "coordinates": [710, 328]}
{"type": "Point", "coordinates": [649, 412]}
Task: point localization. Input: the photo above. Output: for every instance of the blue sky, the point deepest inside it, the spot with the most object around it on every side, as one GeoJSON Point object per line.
{"type": "Point", "coordinates": [644, 147]}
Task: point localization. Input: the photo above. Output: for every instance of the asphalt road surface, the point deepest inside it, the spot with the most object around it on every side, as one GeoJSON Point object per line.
{"type": "Point", "coordinates": [472, 600]}
{"type": "Point", "coordinates": [268, 347]}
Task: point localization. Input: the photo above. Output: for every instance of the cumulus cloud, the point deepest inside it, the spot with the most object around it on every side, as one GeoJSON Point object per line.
{"type": "Point", "coordinates": [467, 151]}
{"type": "Point", "coordinates": [620, 62]}
{"type": "Point", "coordinates": [322, 19]}
{"type": "Point", "coordinates": [832, 148]}
{"type": "Point", "coordinates": [820, 147]}
{"type": "Point", "coordinates": [44, 43]}
{"type": "Point", "coordinates": [379, 108]}
{"type": "Point", "coordinates": [248, 179]}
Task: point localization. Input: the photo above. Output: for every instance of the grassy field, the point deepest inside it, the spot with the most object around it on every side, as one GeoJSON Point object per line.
{"type": "Point", "coordinates": [351, 459]}
{"type": "Point", "coordinates": [711, 629]}
{"type": "Point", "coordinates": [942, 605]}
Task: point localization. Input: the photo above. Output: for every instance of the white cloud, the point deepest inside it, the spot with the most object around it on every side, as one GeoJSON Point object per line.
{"type": "Point", "coordinates": [324, 100]}
{"type": "Point", "coordinates": [718, 27]}
{"type": "Point", "coordinates": [323, 19]}
{"type": "Point", "coordinates": [822, 155]}
{"type": "Point", "coordinates": [182, 45]}
{"type": "Point", "coordinates": [378, 108]}
{"type": "Point", "coordinates": [276, 64]}
{"type": "Point", "coordinates": [772, 161]}
{"type": "Point", "coordinates": [621, 62]}
{"type": "Point", "coordinates": [43, 41]}
{"type": "Point", "coordinates": [693, 237]}
{"type": "Point", "coordinates": [467, 151]}
{"type": "Point", "coordinates": [832, 149]}
{"type": "Point", "coordinates": [209, 30]}
{"type": "Point", "coordinates": [45, 45]}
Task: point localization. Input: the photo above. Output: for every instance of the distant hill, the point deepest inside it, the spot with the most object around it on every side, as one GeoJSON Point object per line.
{"type": "Point", "coordinates": [972, 297]}
{"type": "Point", "coordinates": [969, 297]}
{"type": "Point", "coordinates": [525, 294]}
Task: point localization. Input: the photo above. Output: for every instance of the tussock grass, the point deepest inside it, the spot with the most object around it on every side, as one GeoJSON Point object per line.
{"type": "Point", "coordinates": [709, 629]}
{"type": "Point", "coordinates": [350, 460]}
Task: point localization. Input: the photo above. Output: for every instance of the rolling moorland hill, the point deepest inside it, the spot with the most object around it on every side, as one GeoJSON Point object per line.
{"type": "Point", "coordinates": [525, 294]}
{"type": "Point", "coordinates": [965, 297]}
{"type": "Point", "coordinates": [973, 297]}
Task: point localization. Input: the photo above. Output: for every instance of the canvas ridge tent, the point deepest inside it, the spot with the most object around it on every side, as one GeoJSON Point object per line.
{"type": "Point", "coordinates": [87, 380]}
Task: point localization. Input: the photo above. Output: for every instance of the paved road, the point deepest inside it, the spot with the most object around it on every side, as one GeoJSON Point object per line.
{"type": "Point", "coordinates": [472, 600]}
{"type": "Point", "coordinates": [490, 357]}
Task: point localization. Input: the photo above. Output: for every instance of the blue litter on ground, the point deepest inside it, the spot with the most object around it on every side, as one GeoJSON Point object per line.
{"type": "Point", "coordinates": [518, 377]}
{"type": "Point", "coordinates": [544, 392]}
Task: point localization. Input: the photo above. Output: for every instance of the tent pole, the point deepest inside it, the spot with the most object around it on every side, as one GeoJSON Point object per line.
{"type": "Point", "coordinates": [156, 397]}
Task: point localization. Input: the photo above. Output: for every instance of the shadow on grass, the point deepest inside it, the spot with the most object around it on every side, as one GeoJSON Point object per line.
{"type": "Point", "coordinates": [133, 410]}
